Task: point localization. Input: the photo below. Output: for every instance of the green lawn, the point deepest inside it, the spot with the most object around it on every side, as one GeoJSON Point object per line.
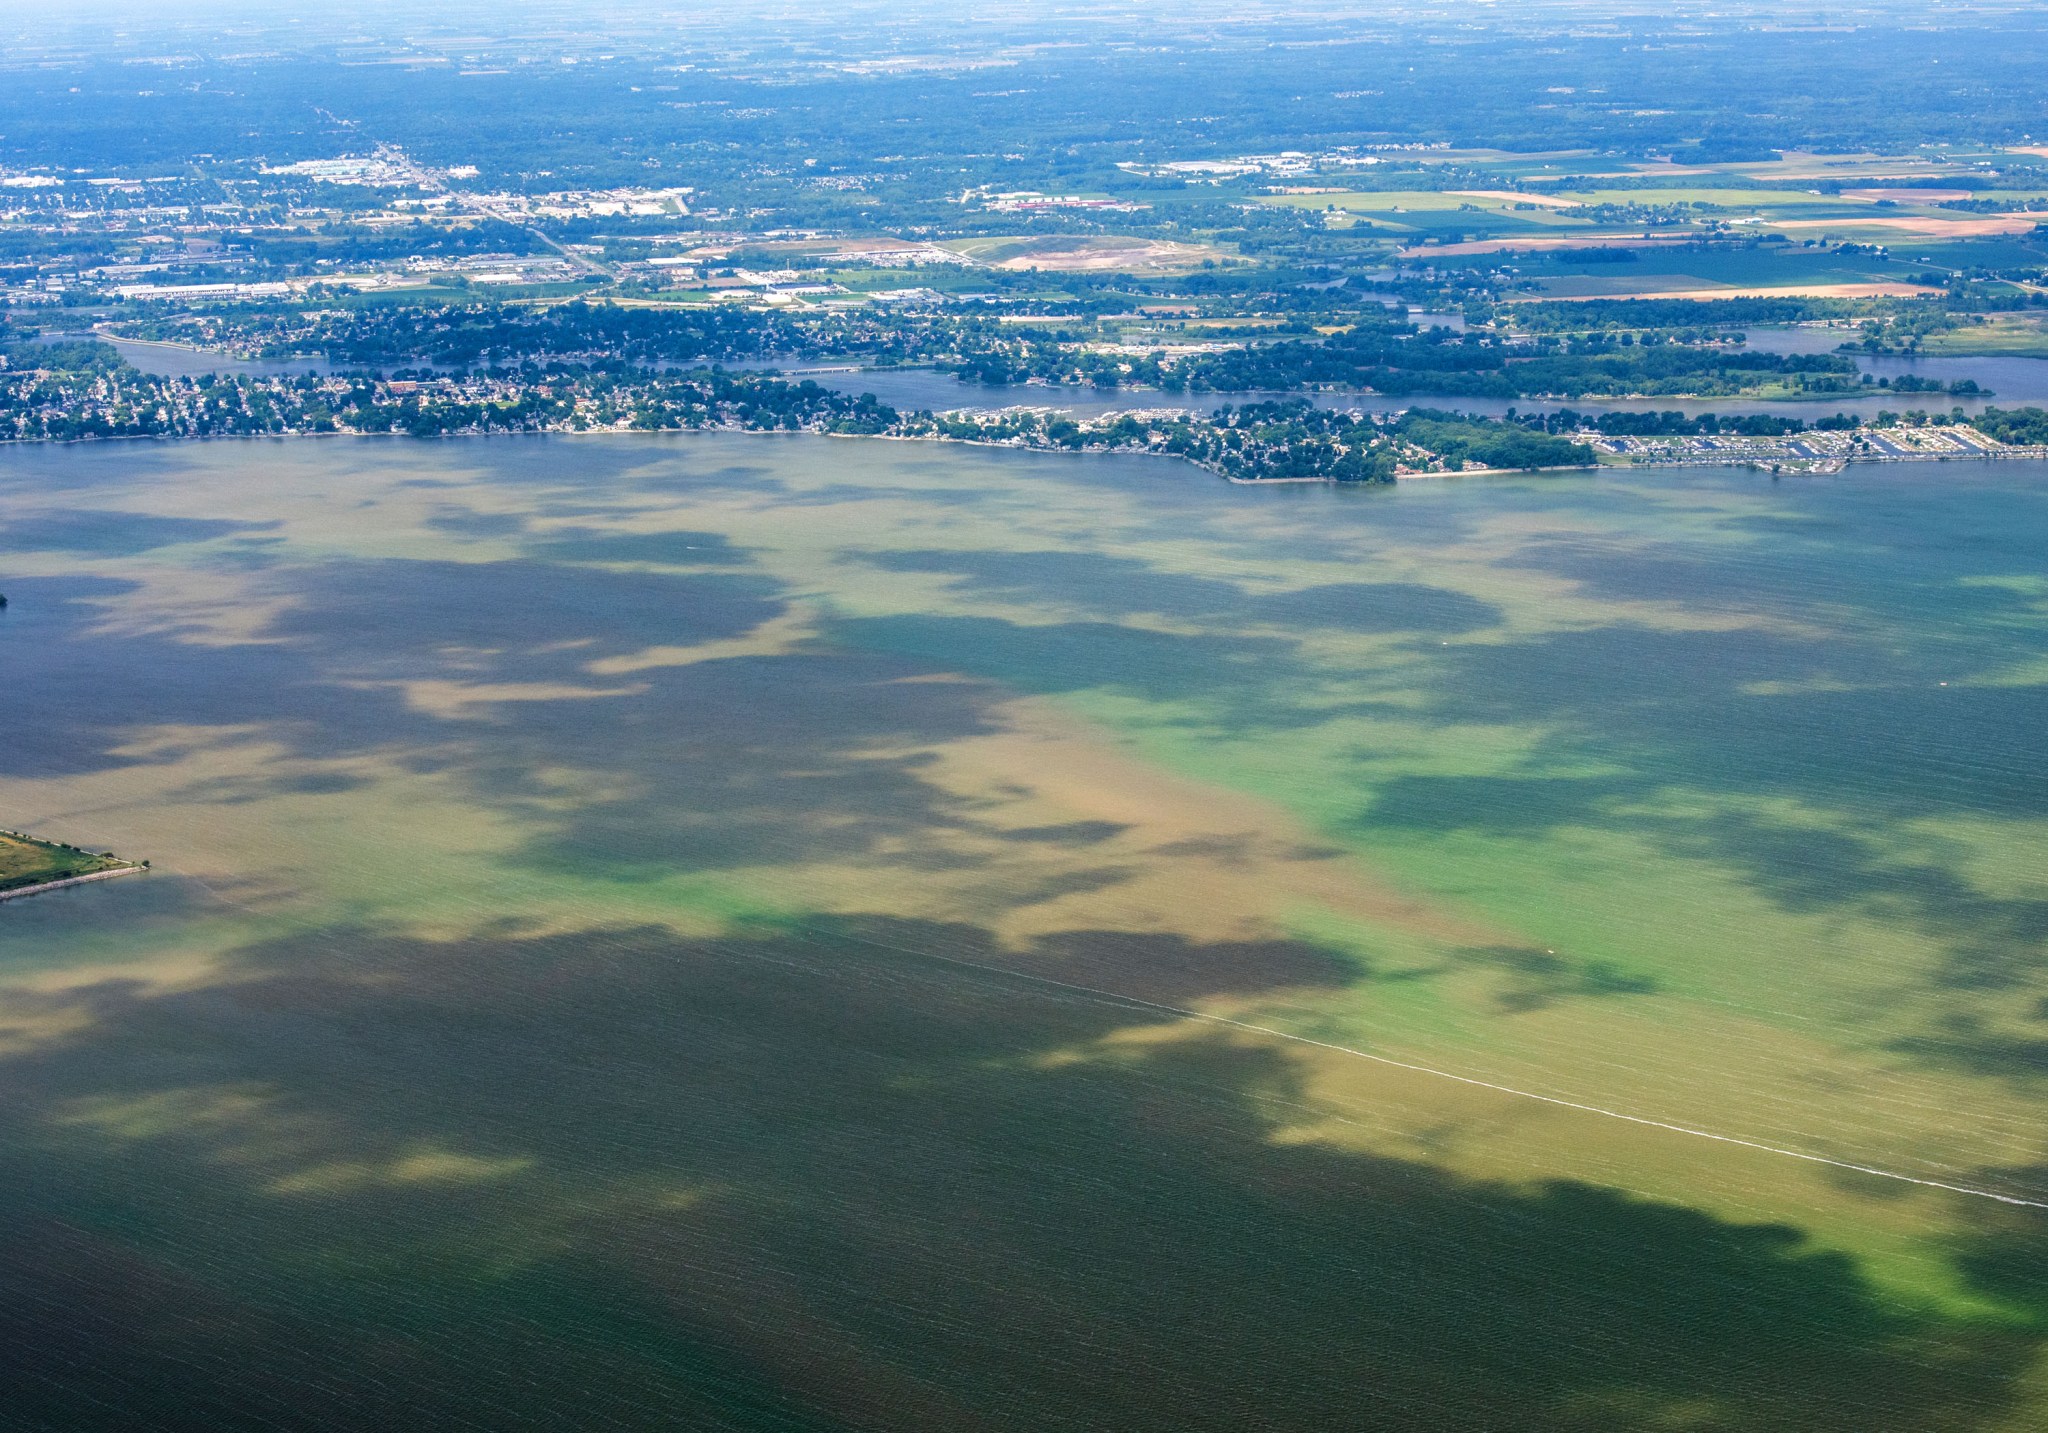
{"type": "Point", "coordinates": [28, 862]}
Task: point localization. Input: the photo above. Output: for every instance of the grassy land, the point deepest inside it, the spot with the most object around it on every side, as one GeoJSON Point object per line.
{"type": "Point", "coordinates": [1766, 264]}
{"type": "Point", "coordinates": [2005, 336]}
{"type": "Point", "coordinates": [1719, 195]}
{"type": "Point", "coordinates": [1666, 272]}
{"type": "Point", "coordinates": [28, 862]}
{"type": "Point", "coordinates": [1422, 209]}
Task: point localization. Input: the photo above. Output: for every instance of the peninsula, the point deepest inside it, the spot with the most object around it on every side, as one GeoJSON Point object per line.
{"type": "Point", "coordinates": [29, 867]}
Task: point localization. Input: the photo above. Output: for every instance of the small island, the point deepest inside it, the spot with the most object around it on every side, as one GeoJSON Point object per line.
{"type": "Point", "coordinates": [29, 867]}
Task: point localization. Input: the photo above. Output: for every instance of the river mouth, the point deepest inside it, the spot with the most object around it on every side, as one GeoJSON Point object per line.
{"type": "Point", "coordinates": [892, 935]}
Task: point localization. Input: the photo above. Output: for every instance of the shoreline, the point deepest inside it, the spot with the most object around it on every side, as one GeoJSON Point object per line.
{"type": "Point", "coordinates": [21, 892]}
{"type": "Point", "coordinates": [714, 428]}
{"type": "Point", "coordinates": [2006, 453]}
{"type": "Point", "coordinates": [1496, 472]}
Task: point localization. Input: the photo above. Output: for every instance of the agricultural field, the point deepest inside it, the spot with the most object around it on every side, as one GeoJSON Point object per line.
{"type": "Point", "coordinates": [1422, 210]}
{"type": "Point", "coordinates": [2017, 252]}
{"type": "Point", "coordinates": [1765, 267]}
{"type": "Point", "coordinates": [1718, 196]}
{"type": "Point", "coordinates": [1897, 227]}
{"type": "Point", "coordinates": [1534, 214]}
{"type": "Point", "coordinates": [1596, 265]}
{"type": "Point", "coordinates": [1089, 253]}
{"type": "Point", "coordinates": [1687, 286]}
{"type": "Point", "coordinates": [1797, 166]}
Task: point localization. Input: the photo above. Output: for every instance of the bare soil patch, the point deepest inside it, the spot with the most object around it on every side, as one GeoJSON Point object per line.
{"type": "Point", "coordinates": [1510, 196]}
{"type": "Point", "coordinates": [1101, 256]}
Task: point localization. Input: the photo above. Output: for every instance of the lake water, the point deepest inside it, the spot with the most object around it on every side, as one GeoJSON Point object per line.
{"type": "Point", "coordinates": [781, 933]}
{"type": "Point", "coordinates": [2013, 382]}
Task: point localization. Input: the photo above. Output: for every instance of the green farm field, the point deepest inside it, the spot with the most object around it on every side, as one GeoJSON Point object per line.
{"type": "Point", "coordinates": [1424, 209]}
{"type": "Point", "coordinates": [2005, 252]}
{"type": "Point", "coordinates": [1767, 267]}
{"type": "Point", "coordinates": [1719, 196]}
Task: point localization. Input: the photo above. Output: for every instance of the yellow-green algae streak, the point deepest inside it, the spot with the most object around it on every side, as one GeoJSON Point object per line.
{"type": "Point", "coordinates": [785, 933]}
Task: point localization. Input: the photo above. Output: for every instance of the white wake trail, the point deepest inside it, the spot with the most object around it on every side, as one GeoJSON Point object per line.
{"type": "Point", "coordinates": [1182, 1012]}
